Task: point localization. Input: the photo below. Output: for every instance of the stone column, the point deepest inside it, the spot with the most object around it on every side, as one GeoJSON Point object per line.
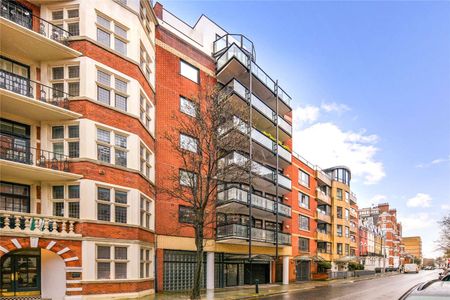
{"type": "Point", "coordinates": [285, 269]}
{"type": "Point", "coordinates": [210, 270]}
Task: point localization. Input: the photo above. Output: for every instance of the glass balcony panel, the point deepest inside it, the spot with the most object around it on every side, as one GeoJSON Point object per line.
{"type": "Point", "coordinates": [220, 44]}
{"type": "Point", "coordinates": [267, 111]}
{"type": "Point", "coordinates": [284, 181]}
{"type": "Point", "coordinates": [239, 88]}
{"type": "Point", "coordinates": [284, 153]}
{"type": "Point", "coordinates": [284, 125]}
{"type": "Point", "coordinates": [284, 209]}
{"type": "Point", "coordinates": [262, 139]}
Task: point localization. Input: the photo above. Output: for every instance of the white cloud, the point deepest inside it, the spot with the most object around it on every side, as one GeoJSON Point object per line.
{"type": "Point", "coordinates": [445, 206]}
{"type": "Point", "coordinates": [415, 221]}
{"type": "Point", "coordinates": [436, 161]}
{"type": "Point", "coordinates": [336, 107]}
{"type": "Point", "coordinates": [419, 200]}
{"type": "Point", "coordinates": [306, 114]}
{"type": "Point", "coordinates": [377, 199]}
{"type": "Point", "coordinates": [327, 145]}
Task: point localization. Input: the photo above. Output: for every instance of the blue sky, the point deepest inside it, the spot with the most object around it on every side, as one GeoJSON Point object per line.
{"type": "Point", "coordinates": [371, 89]}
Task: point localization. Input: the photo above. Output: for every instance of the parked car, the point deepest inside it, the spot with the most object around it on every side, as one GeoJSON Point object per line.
{"type": "Point", "coordinates": [410, 268]}
{"type": "Point", "coordinates": [446, 278]}
{"type": "Point", "coordinates": [433, 289]}
{"type": "Point", "coordinates": [443, 274]}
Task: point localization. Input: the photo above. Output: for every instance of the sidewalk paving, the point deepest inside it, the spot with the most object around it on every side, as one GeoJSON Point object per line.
{"type": "Point", "coordinates": [248, 291]}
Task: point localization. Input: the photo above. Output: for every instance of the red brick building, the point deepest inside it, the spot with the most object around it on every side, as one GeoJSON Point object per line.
{"type": "Point", "coordinates": [77, 90]}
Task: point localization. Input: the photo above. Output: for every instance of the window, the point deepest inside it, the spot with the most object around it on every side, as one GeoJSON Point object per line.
{"type": "Point", "coordinates": [347, 249]}
{"type": "Point", "coordinates": [146, 212]}
{"type": "Point", "coordinates": [303, 244]}
{"type": "Point", "coordinates": [188, 143]}
{"type": "Point", "coordinates": [347, 214]}
{"type": "Point", "coordinates": [64, 79]}
{"type": "Point", "coordinates": [339, 212]}
{"type": "Point", "coordinates": [65, 140]}
{"type": "Point", "coordinates": [68, 19]}
{"type": "Point", "coordinates": [303, 222]}
{"type": "Point", "coordinates": [146, 161]}
{"type": "Point", "coordinates": [347, 197]}
{"type": "Point", "coordinates": [112, 205]}
{"type": "Point", "coordinates": [347, 232]}
{"type": "Point", "coordinates": [339, 194]}
{"type": "Point", "coordinates": [107, 29]}
{"type": "Point", "coordinates": [188, 179]}
{"type": "Point", "coordinates": [188, 107]}
{"type": "Point", "coordinates": [105, 149]}
{"type": "Point", "coordinates": [303, 200]}
{"type": "Point", "coordinates": [112, 262]}
{"type": "Point", "coordinates": [185, 214]}
{"type": "Point", "coordinates": [339, 248]}
{"type": "Point", "coordinates": [105, 90]}
{"type": "Point", "coordinates": [303, 178]}
{"type": "Point", "coordinates": [189, 71]}
{"type": "Point", "coordinates": [14, 197]}
{"type": "Point", "coordinates": [145, 62]}
{"type": "Point", "coordinates": [66, 201]}
{"type": "Point", "coordinates": [145, 257]}
{"type": "Point", "coordinates": [339, 230]}
{"type": "Point", "coordinates": [145, 17]}
{"type": "Point", "coordinates": [146, 112]}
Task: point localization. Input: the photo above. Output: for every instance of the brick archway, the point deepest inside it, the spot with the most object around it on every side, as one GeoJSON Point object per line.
{"type": "Point", "coordinates": [69, 251]}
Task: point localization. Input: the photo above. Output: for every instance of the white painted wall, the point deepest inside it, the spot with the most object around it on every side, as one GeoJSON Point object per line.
{"type": "Point", "coordinates": [53, 275]}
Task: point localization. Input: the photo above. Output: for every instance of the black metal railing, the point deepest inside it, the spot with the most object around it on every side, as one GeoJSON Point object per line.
{"type": "Point", "coordinates": [34, 156]}
{"type": "Point", "coordinates": [29, 88]}
{"type": "Point", "coordinates": [16, 13]}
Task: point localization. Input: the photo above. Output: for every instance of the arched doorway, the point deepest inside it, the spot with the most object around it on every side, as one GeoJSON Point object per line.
{"type": "Point", "coordinates": [20, 273]}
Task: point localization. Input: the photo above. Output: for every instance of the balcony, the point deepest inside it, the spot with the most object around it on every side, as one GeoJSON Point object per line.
{"type": "Point", "coordinates": [264, 116]}
{"type": "Point", "coordinates": [323, 216]}
{"type": "Point", "coordinates": [22, 31]}
{"type": "Point", "coordinates": [353, 214]}
{"type": "Point", "coordinates": [238, 234]}
{"type": "Point", "coordinates": [323, 236]}
{"type": "Point", "coordinates": [353, 198]}
{"type": "Point", "coordinates": [323, 197]}
{"type": "Point", "coordinates": [13, 223]}
{"type": "Point", "coordinates": [30, 99]}
{"type": "Point", "coordinates": [28, 163]}
{"type": "Point", "coordinates": [264, 148]}
{"type": "Point", "coordinates": [233, 61]}
{"type": "Point", "coordinates": [265, 178]}
{"type": "Point", "coordinates": [322, 176]}
{"type": "Point", "coordinates": [235, 199]}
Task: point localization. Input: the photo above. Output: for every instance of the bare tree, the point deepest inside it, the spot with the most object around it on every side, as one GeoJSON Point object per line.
{"type": "Point", "coordinates": [443, 243]}
{"type": "Point", "coordinates": [213, 129]}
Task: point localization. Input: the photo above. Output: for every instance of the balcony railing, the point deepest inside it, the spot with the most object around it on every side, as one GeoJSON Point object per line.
{"type": "Point", "coordinates": [238, 195]}
{"type": "Point", "coordinates": [261, 235]}
{"type": "Point", "coordinates": [240, 90]}
{"type": "Point", "coordinates": [16, 14]}
{"type": "Point", "coordinates": [238, 39]}
{"type": "Point", "coordinates": [33, 156]}
{"type": "Point", "coordinates": [321, 195]}
{"type": "Point", "coordinates": [323, 235]}
{"type": "Point", "coordinates": [32, 89]}
{"type": "Point", "coordinates": [236, 52]}
{"type": "Point", "coordinates": [323, 216]}
{"type": "Point", "coordinates": [257, 168]}
{"type": "Point", "coordinates": [18, 222]}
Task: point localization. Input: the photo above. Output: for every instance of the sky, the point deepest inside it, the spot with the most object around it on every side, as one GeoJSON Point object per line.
{"type": "Point", "coordinates": [370, 83]}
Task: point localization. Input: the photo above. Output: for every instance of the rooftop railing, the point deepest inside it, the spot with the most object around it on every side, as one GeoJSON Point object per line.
{"type": "Point", "coordinates": [32, 89]}
{"type": "Point", "coordinates": [17, 14]}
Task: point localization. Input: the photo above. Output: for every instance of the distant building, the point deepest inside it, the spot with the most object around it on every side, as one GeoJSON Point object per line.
{"type": "Point", "coordinates": [413, 246]}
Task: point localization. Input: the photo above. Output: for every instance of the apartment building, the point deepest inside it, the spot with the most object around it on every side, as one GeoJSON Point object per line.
{"type": "Point", "coordinates": [189, 59]}
{"type": "Point", "coordinates": [305, 219]}
{"type": "Point", "coordinates": [371, 241]}
{"type": "Point", "coordinates": [77, 149]}
{"type": "Point", "coordinates": [413, 246]}
{"type": "Point", "coordinates": [386, 219]}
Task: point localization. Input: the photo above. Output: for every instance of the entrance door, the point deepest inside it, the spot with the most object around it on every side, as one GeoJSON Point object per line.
{"type": "Point", "coordinates": [20, 273]}
{"type": "Point", "coordinates": [232, 271]}
{"type": "Point", "coordinates": [303, 270]}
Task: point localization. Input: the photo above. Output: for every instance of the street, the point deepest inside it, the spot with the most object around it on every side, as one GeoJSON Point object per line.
{"type": "Point", "coordinates": [391, 287]}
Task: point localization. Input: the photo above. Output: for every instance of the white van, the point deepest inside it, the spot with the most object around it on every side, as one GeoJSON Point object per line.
{"type": "Point", "coordinates": [410, 268]}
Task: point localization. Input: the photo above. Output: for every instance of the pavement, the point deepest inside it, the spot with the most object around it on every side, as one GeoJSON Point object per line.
{"type": "Point", "coordinates": [315, 289]}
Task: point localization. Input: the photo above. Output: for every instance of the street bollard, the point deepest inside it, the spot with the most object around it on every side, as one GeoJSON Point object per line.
{"type": "Point", "coordinates": [257, 286]}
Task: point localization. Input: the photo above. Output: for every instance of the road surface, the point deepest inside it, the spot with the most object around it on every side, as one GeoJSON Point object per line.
{"type": "Point", "coordinates": [386, 288]}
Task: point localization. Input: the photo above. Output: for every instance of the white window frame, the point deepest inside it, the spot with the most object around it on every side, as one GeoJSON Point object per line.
{"type": "Point", "coordinates": [145, 263]}
{"type": "Point", "coordinates": [112, 146]}
{"type": "Point", "coordinates": [146, 112]}
{"type": "Point", "coordinates": [65, 80]}
{"type": "Point", "coordinates": [146, 208]}
{"type": "Point", "coordinates": [145, 155]}
{"type": "Point", "coordinates": [112, 261]}
{"type": "Point", "coordinates": [66, 200]}
{"type": "Point", "coordinates": [300, 202]}
{"type": "Point", "coordinates": [113, 35]}
{"type": "Point", "coordinates": [66, 139]}
{"type": "Point", "coordinates": [301, 178]}
{"type": "Point", "coordinates": [65, 21]}
{"type": "Point", "coordinates": [112, 88]}
{"type": "Point", "coordinates": [112, 203]}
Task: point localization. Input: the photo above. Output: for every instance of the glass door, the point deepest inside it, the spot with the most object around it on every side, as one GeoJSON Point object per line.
{"type": "Point", "coordinates": [20, 274]}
